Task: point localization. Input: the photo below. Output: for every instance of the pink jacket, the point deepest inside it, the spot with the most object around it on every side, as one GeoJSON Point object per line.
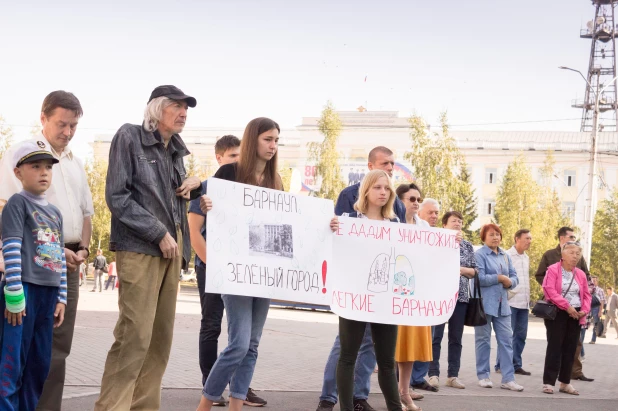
{"type": "Point", "coordinates": [552, 287]}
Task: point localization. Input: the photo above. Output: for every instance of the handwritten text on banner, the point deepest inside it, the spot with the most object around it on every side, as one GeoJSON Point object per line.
{"type": "Point", "coordinates": [393, 273]}
{"type": "Point", "coordinates": [268, 243]}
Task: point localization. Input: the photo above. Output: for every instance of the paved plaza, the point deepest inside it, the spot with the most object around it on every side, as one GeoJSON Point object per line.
{"type": "Point", "coordinates": [293, 351]}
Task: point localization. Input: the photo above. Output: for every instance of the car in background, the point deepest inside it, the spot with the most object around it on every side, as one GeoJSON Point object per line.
{"type": "Point", "coordinates": [188, 276]}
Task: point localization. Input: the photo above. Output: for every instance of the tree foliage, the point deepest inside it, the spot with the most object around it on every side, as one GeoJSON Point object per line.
{"type": "Point", "coordinates": [604, 256]}
{"type": "Point", "coordinates": [6, 136]}
{"type": "Point", "coordinates": [435, 159]}
{"type": "Point", "coordinates": [521, 202]}
{"type": "Point", "coordinates": [466, 201]}
{"type": "Point", "coordinates": [326, 156]}
{"type": "Point", "coordinates": [194, 168]}
{"type": "Point", "coordinates": [96, 172]}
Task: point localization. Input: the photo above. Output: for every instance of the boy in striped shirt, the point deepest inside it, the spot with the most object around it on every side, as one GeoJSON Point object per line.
{"type": "Point", "coordinates": [34, 281]}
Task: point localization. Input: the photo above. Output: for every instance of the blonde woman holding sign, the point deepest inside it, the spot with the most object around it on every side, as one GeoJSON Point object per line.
{"type": "Point", "coordinates": [375, 202]}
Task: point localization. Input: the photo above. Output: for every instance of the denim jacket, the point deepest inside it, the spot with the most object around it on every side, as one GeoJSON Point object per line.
{"type": "Point", "coordinates": [140, 191]}
{"type": "Point", "coordinates": [489, 265]}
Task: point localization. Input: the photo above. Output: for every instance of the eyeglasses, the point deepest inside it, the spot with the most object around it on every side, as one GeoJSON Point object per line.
{"type": "Point", "coordinates": [416, 199]}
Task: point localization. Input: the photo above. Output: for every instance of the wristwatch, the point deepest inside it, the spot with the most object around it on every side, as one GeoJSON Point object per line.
{"type": "Point", "coordinates": [81, 247]}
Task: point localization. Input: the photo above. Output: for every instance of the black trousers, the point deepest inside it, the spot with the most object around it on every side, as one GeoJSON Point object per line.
{"type": "Point", "coordinates": [562, 338]}
{"type": "Point", "coordinates": [384, 340]}
{"type": "Point", "coordinates": [210, 326]}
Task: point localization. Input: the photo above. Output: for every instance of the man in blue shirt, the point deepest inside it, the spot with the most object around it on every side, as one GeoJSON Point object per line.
{"type": "Point", "coordinates": [227, 151]}
{"type": "Point", "coordinates": [380, 158]}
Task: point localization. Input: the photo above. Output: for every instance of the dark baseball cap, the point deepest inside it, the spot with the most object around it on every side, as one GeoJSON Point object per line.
{"type": "Point", "coordinates": [174, 93]}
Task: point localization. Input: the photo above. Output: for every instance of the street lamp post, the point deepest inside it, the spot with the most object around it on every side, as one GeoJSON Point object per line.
{"type": "Point", "coordinates": [591, 201]}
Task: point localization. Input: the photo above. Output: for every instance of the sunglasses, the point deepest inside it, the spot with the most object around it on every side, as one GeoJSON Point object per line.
{"type": "Point", "coordinates": [571, 243]}
{"type": "Point", "coordinates": [416, 199]}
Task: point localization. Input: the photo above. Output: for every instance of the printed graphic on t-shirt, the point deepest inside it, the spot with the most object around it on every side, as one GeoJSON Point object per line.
{"type": "Point", "coordinates": [47, 238]}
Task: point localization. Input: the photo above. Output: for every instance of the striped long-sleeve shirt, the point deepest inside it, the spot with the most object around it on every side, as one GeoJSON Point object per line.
{"type": "Point", "coordinates": [33, 248]}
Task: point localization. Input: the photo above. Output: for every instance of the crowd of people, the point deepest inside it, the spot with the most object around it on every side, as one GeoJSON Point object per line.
{"type": "Point", "coordinates": [46, 229]}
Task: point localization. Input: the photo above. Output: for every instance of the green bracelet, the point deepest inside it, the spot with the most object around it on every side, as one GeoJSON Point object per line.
{"type": "Point", "coordinates": [15, 300]}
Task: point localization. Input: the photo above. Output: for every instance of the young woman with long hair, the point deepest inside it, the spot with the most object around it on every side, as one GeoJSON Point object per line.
{"type": "Point", "coordinates": [376, 196]}
{"type": "Point", "coordinates": [246, 316]}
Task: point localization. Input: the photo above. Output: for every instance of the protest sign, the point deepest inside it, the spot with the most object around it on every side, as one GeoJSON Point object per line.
{"type": "Point", "coordinates": [393, 273]}
{"type": "Point", "coordinates": [268, 243]}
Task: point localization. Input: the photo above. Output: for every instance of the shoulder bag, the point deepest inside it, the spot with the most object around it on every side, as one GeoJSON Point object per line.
{"type": "Point", "coordinates": [475, 313]}
{"type": "Point", "coordinates": [546, 310]}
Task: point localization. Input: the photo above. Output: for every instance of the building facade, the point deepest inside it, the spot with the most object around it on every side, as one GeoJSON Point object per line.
{"type": "Point", "coordinates": [487, 154]}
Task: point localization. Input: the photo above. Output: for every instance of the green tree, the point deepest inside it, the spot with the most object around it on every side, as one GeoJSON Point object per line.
{"type": "Point", "coordinates": [435, 159]}
{"type": "Point", "coordinates": [466, 201]}
{"type": "Point", "coordinates": [6, 136]}
{"type": "Point", "coordinates": [604, 256]}
{"type": "Point", "coordinates": [326, 156]}
{"type": "Point", "coordinates": [194, 168]}
{"type": "Point", "coordinates": [516, 200]}
{"type": "Point", "coordinates": [549, 220]}
{"type": "Point", "coordinates": [521, 202]}
{"type": "Point", "coordinates": [286, 177]}
{"type": "Point", "coordinates": [96, 173]}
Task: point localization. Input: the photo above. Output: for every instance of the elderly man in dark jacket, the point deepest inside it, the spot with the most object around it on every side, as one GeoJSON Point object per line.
{"type": "Point", "coordinates": [146, 192]}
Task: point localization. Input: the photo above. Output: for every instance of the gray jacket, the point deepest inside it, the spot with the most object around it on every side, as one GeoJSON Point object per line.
{"type": "Point", "coordinates": [140, 191]}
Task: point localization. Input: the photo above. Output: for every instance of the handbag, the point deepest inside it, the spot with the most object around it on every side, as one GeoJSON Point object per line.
{"type": "Point", "coordinates": [475, 313]}
{"type": "Point", "coordinates": [546, 310]}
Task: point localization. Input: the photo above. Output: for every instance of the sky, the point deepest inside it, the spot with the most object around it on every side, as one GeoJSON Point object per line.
{"type": "Point", "coordinates": [493, 65]}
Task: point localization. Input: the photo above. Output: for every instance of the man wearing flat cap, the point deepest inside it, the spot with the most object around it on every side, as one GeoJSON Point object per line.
{"type": "Point", "coordinates": [146, 192]}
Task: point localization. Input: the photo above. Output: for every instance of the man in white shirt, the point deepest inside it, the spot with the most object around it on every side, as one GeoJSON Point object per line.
{"type": "Point", "coordinates": [69, 192]}
{"type": "Point", "coordinates": [519, 297]}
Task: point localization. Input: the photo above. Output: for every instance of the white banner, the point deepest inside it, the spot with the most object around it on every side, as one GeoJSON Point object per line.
{"type": "Point", "coordinates": [393, 273]}
{"type": "Point", "coordinates": [268, 243]}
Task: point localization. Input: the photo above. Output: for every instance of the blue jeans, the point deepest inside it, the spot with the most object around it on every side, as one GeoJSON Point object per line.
{"type": "Point", "coordinates": [482, 342]}
{"type": "Point", "coordinates": [595, 323]}
{"type": "Point", "coordinates": [365, 363]}
{"type": "Point", "coordinates": [455, 335]}
{"type": "Point", "coordinates": [519, 325]}
{"type": "Point", "coordinates": [245, 321]}
{"type": "Point", "coordinates": [26, 349]}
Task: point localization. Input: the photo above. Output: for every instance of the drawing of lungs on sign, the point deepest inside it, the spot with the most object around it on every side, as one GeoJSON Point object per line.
{"type": "Point", "coordinates": [404, 282]}
{"type": "Point", "coordinates": [379, 272]}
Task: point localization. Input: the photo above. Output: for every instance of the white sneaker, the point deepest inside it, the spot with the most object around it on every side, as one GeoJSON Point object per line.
{"type": "Point", "coordinates": [434, 382]}
{"type": "Point", "coordinates": [513, 386]}
{"type": "Point", "coordinates": [455, 383]}
{"type": "Point", "coordinates": [486, 383]}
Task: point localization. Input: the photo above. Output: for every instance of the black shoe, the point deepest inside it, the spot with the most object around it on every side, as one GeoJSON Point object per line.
{"type": "Point", "coordinates": [424, 386]}
{"type": "Point", "coordinates": [362, 405]}
{"type": "Point", "coordinates": [253, 400]}
{"type": "Point", "coordinates": [521, 371]}
{"type": "Point", "coordinates": [221, 402]}
{"type": "Point", "coordinates": [325, 405]}
{"type": "Point", "coordinates": [583, 378]}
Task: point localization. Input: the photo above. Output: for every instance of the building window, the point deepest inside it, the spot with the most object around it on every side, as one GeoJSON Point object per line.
{"type": "Point", "coordinates": [490, 175]}
{"type": "Point", "coordinates": [489, 207]}
{"type": "Point", "coordinates": [568, 209]}
{"type": "Point", "coordinates": [569, 178]}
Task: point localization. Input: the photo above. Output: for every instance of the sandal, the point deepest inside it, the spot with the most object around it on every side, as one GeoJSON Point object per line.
{"type": "Point", "coordinates": [568, 389]}
{"type": "Point", "coordinates": [407, 403]}
{"type": "Point", "coordinates": [415, 395]}
{"type": "Point", "coordinates": [548, 389]}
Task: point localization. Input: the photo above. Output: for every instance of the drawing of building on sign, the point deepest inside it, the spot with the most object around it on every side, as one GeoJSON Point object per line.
{"type": "Point", "coordinates": [380, 272]}
{"type": "Point", "coordinates": [273, 239]}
